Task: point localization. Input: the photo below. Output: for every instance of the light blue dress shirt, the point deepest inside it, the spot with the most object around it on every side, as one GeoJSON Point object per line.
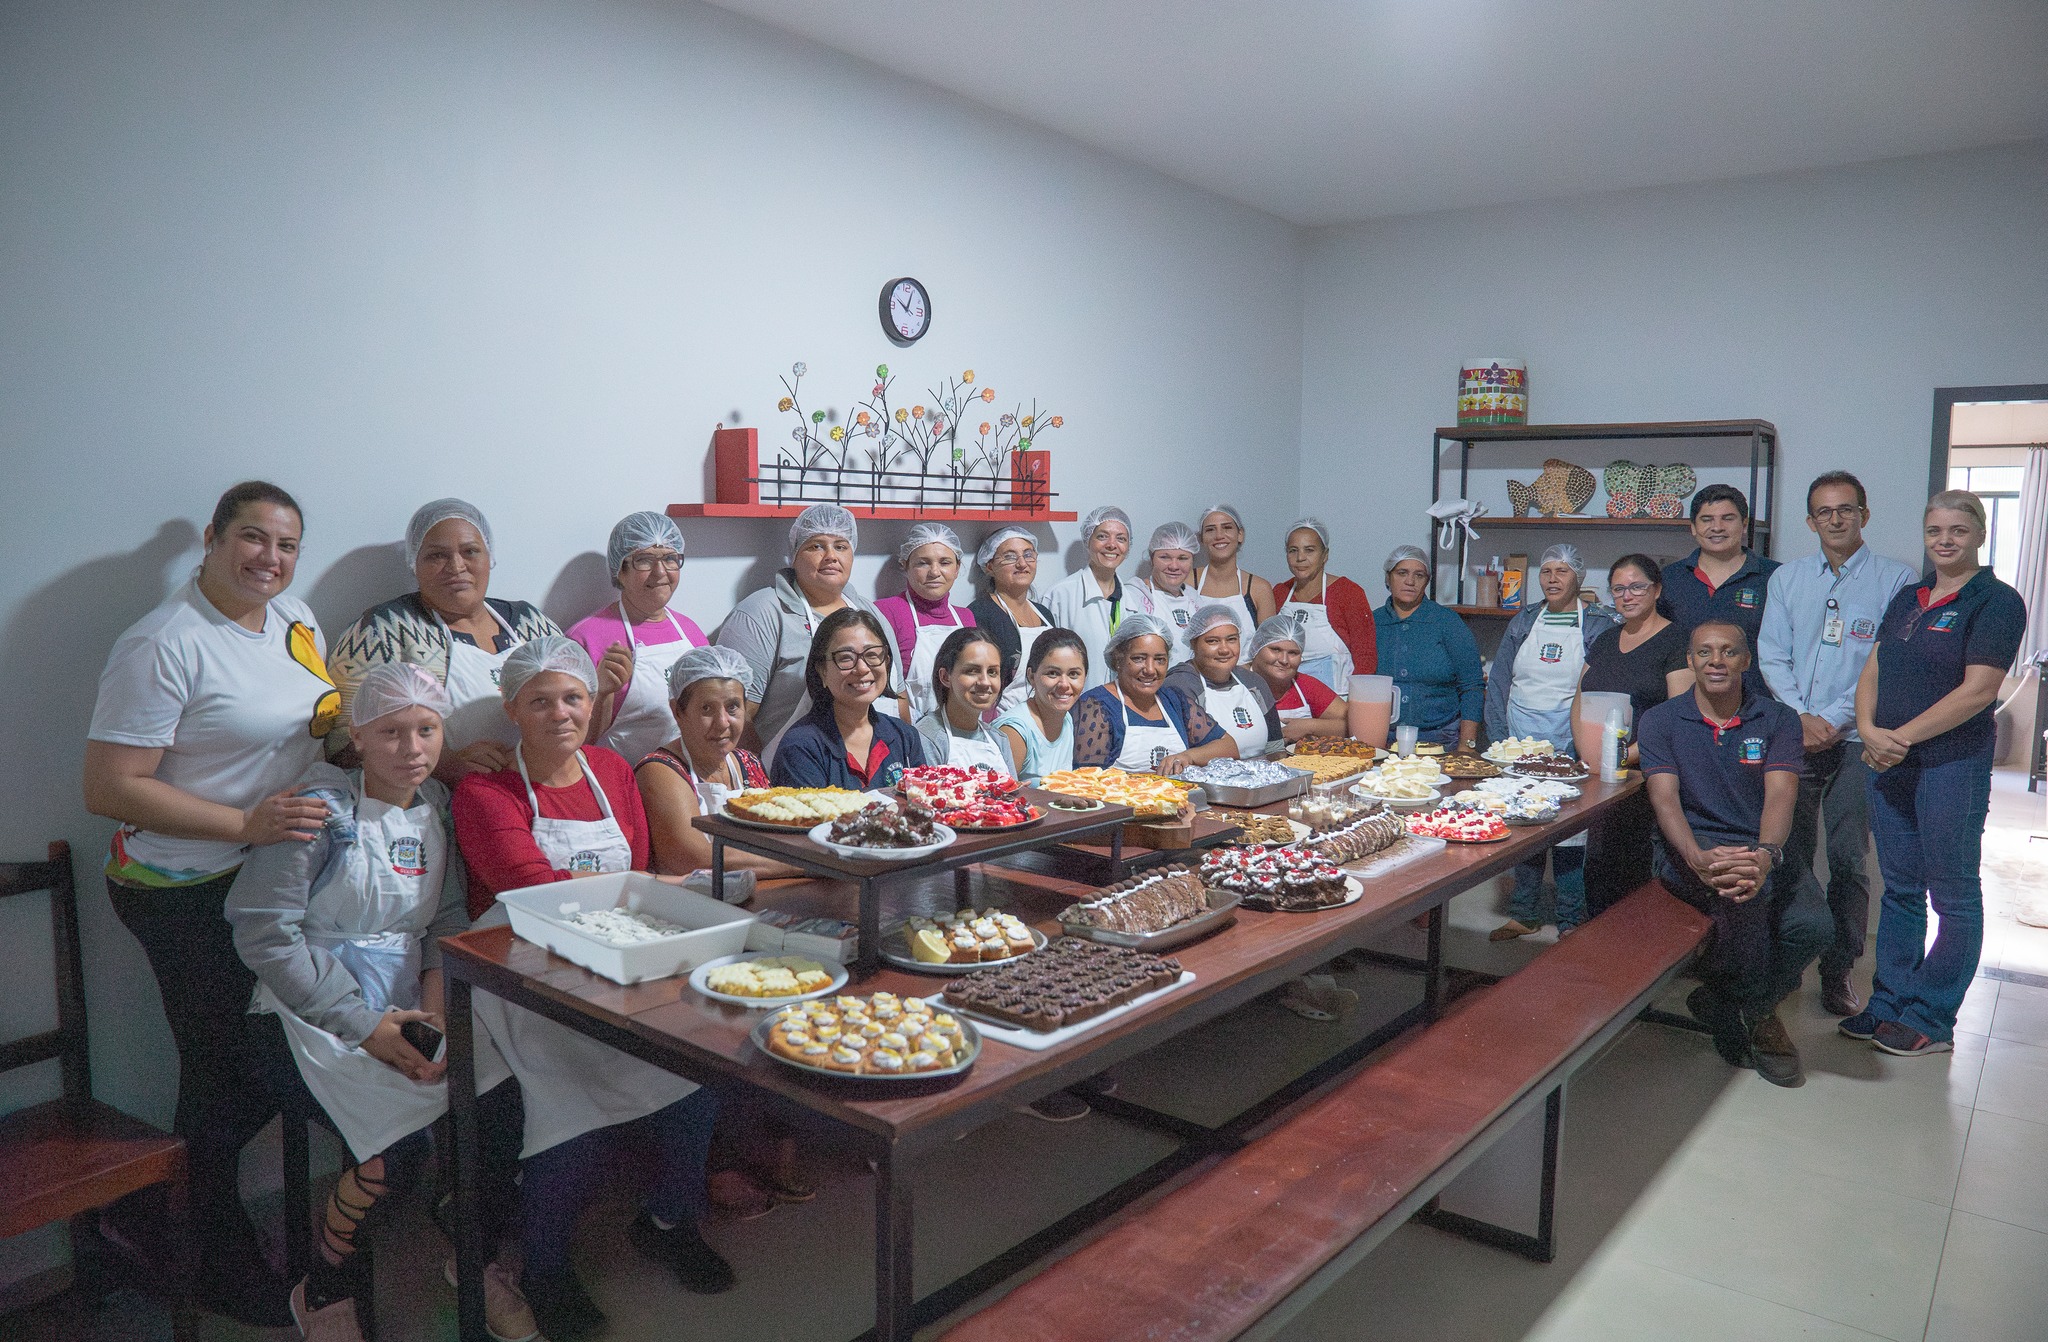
{"type": "Point", "coordinates": [1807, 673]}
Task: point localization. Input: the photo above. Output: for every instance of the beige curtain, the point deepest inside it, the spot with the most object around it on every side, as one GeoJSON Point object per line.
{"type": "Point", "coordinates": [2033, 568]}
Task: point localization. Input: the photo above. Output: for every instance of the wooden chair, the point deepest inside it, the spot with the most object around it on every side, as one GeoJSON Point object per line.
{"type": "Point", "coordinates": [69, 1157]}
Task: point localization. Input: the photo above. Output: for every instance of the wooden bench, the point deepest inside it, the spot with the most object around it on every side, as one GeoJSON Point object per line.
{"type": "Point", "coordinates": [1323, 1183]}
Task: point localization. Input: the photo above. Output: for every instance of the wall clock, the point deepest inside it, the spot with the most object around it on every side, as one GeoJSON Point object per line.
{"type": "Point", "coordinates": [906, 310]}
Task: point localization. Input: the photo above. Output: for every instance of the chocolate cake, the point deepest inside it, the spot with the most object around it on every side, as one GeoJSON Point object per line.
{"type": "Point", "coordinates": [1358, 839]}
{"type": "Point", "coordinates": [885, 824]}
{"type": "Point", "coordinates": [1152, 902]}
{"type": "Point", "coordinates": [1068, 982]}
{"type": "Point", "coordinates": [1287, 879]}
{"type": "Point", "coordinates": [1548, 766]}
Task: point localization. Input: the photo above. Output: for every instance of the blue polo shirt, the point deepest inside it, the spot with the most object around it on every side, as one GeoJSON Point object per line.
{"type": "Point", "coordinates": [813, 753]}
{"type": "Point", "coordinates": [1721, 768]}
{"type": "Point", "coordinates": [1740, 601]}
{"type": "Point", "coordinates": [1923, 649]}
{"type": "Point", "coordinates": [1433, 657]}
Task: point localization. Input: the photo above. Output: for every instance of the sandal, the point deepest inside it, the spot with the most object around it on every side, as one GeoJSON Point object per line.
{"type": "Point", "coordinates": [736, 1193]}
{"type": "Point", "coordinates": [1511, 929]}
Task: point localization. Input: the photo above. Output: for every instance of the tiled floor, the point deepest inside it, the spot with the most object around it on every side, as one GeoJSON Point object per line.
{"type": "Point", "coordinates": [1888, 1198]}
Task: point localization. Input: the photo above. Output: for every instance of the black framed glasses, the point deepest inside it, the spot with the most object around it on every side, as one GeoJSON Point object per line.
{"type": "Point", "coordinates": [1630, 589]}
{"type": "Point", "coordinates": [846, 659]}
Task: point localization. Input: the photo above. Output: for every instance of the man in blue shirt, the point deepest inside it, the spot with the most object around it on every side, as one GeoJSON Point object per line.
{"type": "Point", "coordinates": [1820, 624]}
{"type": "Point", "coordinates": [1722, 579]}
{"type": "Point", "coordinates": [1722, 766]}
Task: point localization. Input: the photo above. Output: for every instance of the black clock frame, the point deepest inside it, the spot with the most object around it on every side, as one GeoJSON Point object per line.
{"type": "Point", "coordinates": [889, 327]}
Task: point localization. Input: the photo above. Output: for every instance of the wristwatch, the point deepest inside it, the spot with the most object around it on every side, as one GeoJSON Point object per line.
{"type": "Point", "coordinates": [1776, 852]}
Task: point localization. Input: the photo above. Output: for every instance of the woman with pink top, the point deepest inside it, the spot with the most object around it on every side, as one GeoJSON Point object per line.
{"type": "Point", "coordinates": [923, 616]}
{"type": "Point", "coordinates": [637, 637]}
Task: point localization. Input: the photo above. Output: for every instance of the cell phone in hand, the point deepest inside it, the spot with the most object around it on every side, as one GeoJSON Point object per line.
{"type": "Point", "coordinates": [423, 1037]}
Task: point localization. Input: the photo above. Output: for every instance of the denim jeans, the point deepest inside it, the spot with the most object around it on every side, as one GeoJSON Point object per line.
{"type": "Point", "coordinates": [1834, 799]}
{"type": "Point", "coordinates": [1568, 868]}
{"type": "Point", "coordinates": [1760, 948]}
{"type": "Point", "coordinates": [1929, 823]}
{"type": "Point", "coordinates": [666, 1149]}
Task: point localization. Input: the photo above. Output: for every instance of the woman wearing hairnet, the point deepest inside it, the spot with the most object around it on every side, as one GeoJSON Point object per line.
{"type": "Point", "coordinates": [343, 936]}
{"type": "Point", "coordinates": [1304, 705]}
{"type": "Point", "coordinates": [567, 810]}
{"type": "Point", "coordinates": [701, 765]}
{"type": "Point", "coordinates": [921, 617]}
{"type": "Point", "coordinates": [1137, 721]}
{"type": "Point", "coordinates": [1234, 696]}
{"type": "Point", "coordinates": [1093, 602]}
{"type": "Point", "coordinates": [1335, 613]}
{"type": "Point", "coordinates": [1007, 611]}
{"type": "Point", "coordinates": [1222, 579]}
{"type": "Point", "coordinates": [772, 628]}
{"type": "Point", "coordinates": [1530, 693]}
{"type": "Point", "coordinates": [1168, 589]}
{"type": "Point", "coordinates": [1430, 654]}
{"type": "Point", "coordinates": [451, 626]}
{"type": "Point", "coordinates": [637, 638]}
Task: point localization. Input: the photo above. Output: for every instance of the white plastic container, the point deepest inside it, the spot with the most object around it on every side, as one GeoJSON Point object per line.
{"type": "Point", "coordinates": [539, 913]}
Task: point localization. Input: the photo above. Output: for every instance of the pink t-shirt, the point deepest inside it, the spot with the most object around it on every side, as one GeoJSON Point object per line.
{"type": "Point", "coordinates": [598, 632]}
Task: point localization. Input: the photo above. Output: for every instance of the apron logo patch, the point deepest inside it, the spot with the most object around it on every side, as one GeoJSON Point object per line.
{"type": "Point", "coordinates": [1551, 652]}
{"type": "Point", "coordinates": [1864, 629]}
{"type": "Point", "coordinates": [585, 863]}
{"type": "Point", "coordinates": [1180, 617]}
{"type": "Point", "coordinates": [1241, 716]}
{"type": "Point", "coordinates": [1158, 757]}
{"type": "Point", "coordinates": [1746, 598]}
{"type": "Point", "coordinates": [408, 856]}
{"type": "Point", "coordinates": [494, 675]}
{"type": "Point", "coordinates": [1752, 750]}
{"type": "Point", "coordinates": [1943, 623]}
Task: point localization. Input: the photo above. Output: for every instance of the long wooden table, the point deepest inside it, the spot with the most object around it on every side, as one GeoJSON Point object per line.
{"type": "Point", "coordinates": [668, 1024]}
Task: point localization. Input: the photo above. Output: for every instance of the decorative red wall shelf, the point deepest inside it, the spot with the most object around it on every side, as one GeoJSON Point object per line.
{"type": "Point", "coordinates": [737, 478]}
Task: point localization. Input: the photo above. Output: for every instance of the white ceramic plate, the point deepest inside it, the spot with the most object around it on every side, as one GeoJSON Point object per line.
{"type": "Point", "coordinates": [820, 835]}
{"type": "Point", "coordinates": [697, 976]}
{"type": "Point", "coordinates": [1399, 803]}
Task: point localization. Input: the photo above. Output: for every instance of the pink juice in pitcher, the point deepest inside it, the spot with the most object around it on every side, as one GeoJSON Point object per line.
{"type": "Point", "coordinates": [1369, 723]}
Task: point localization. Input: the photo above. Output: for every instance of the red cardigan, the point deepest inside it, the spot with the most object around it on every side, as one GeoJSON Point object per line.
{"type": "Point", "coordinates": [1350, 611]}
{"type": "Point", "coordinates": [494, 825]}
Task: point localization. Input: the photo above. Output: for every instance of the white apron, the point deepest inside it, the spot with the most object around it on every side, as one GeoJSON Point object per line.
{"type": "Point", "coordinates": [1236, 709]}
{"type": "Point", "coordinates": [389, 880]}
{"type": "Point", "coordinates": [1545, 680]}
{"type": "Point", "coordinates": [1323, 654]}
{"type": "Point", "coordinates": [479, 711]}
{"type": "Point", "coordinates": [1240, 609]}
{"type": "Point", "coordinates": [643, 720]}
{"type": "Point", "coordinates": [1146, 745]}
{"type": "Point", "coordinates": [964, 752]}
{"type": "Point", "coordinates": [711, 798]}
{"type": "Point", "coordinates": [1299, 711]}
{"type": "Point", "coordinates": [1019, 688]}
{"type": "Point", "coordinates": [924, 656]}
{"type": "Point", "coordinates": [770, 744]}
{"type": "Point", "coordinates": [572, 1083]}
{"type": "Point", "coordinates": [1178, 612]}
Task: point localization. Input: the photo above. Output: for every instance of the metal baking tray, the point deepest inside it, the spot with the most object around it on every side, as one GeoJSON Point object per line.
{"type": "Point", "coordinates": [1222, 913]}
{"type": "Point", "coordinates": [1226, 794]}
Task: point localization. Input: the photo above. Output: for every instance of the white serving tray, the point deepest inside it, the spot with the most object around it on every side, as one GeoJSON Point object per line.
{"type": "Point", "coordinates": [538, 913]}
{"type": "Point", "coordinates": [1037, 1040]}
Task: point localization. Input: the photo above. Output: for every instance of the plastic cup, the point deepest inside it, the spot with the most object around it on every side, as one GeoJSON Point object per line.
{"type": "Point", "coordinates": [1405, 738]}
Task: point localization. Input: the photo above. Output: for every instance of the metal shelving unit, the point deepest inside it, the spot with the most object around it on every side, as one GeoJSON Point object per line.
{"type": "Point", "coordinates": [1760, 434]}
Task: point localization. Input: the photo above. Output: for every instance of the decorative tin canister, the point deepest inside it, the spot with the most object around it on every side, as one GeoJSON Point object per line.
{"type": "Point", "coordinates": [1493, 391]}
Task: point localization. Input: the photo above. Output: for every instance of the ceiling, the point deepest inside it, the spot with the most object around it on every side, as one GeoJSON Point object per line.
{"type": "Point", "coordinates": [1327, 112]}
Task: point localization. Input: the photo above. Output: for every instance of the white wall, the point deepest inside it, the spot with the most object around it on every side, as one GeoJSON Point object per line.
{"type": "Point", "coordinates": [1831, 303]}
{"type": "Point", "coordinates": [530, 254]}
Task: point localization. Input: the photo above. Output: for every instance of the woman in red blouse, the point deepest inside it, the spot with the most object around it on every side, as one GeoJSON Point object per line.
{"type": "Point", "coordinates": [1335, 614]}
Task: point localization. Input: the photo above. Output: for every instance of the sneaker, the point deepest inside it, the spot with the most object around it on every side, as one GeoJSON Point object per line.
{"type": "Point", "coordinates": [696, 1264]}
{"type": "Point", "coordinates": [1062, 1106]}
{"type": "Point", "coordinates": [562, 1308]}
{"type": "Point", "coordinates": [1862, 1025]}
{"type": "Point", "coordinates": [507, 1316]}
{"type": "Point", "coordinates": [1723, 1022]}
{"type": "Point", "coordinates": [330, 1323]}
{"type": "Point", "coordinates": [1837, 996]}
{"type": "Point", "coordinates": [1773, 1054]}
{"type": "Point", "coordinates": [1317, 997]}
{"type": "Point", "coordinates": [1512, 929]}
{"type": "Point", "coordinates": [1907, 1042]}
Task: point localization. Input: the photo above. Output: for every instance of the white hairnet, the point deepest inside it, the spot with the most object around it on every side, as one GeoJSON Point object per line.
{"type": "Point", "coordinates": [1283, 628]}
{"type": "Point", "coordinates": [823, 519]}
{"type": "Point", "coordinates": [1566, 554]}
{"type": "Point", "coordinates": [1228, 511]}
{"type": "Point", "coordinates": [1401, 552]}
{"type": "Point", "coordinates": [390, 686]}
{"type": "Point", "coordinates": [537, 657]}
{"type": "Point", "coordinates": [707, 663]}
{"type": "Point", "coordinates": [1312, 524]}
{"type": "Point", "coordinates": [1208, 617]}
{"type": "Point", "coordinates": [1135, 625]}
{"type": "Point", "coordinates": [1174, 536]}
{"type": "Point", "coordinates": [986, 555]}
{"type": "Point", "coordinates": [640, 531]}
{"type": "Point", "coordinates": [1108, 512]}
{"type": "Point", "coordinates": [929, 533]}
{"type": "Point", "coordinates": [431, 515]}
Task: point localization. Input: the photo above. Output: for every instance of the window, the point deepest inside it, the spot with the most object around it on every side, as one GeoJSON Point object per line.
{"type": "Point", "coordinates": [1999, 487]}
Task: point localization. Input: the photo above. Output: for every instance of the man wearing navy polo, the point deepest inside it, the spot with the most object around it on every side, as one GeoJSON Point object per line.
{"type": "Point", "coordinates": [1723, 765]}
{"type": "Point", "coordinates": [1820, 624]}
{"type": "Point", "coordinates": [1722, 579]}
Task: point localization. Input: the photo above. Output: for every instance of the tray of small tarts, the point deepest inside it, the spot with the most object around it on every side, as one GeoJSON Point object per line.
{"type": "Point", "coordinates": [880, 1038]}
{"type": "Point", "coordinates": [1152, 796]}
{"type": "Point", "coordinates": [952, 943]}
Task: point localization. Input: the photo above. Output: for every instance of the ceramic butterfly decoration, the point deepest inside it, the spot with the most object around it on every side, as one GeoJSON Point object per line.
{"type": "Point", "coordinates": [1635, 489]}
{"type": "Point", "coordinates": [1562, 488]}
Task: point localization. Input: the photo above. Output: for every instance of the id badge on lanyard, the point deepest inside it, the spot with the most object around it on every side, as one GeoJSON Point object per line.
{"type": "Point", "coordinates": [1831, 631]}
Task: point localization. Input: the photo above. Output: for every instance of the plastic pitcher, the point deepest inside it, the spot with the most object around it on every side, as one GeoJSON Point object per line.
{"type": "Point", "coordinates": [1594, 706]}
{"type": "Point", "coordinates": [1375, 701]}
